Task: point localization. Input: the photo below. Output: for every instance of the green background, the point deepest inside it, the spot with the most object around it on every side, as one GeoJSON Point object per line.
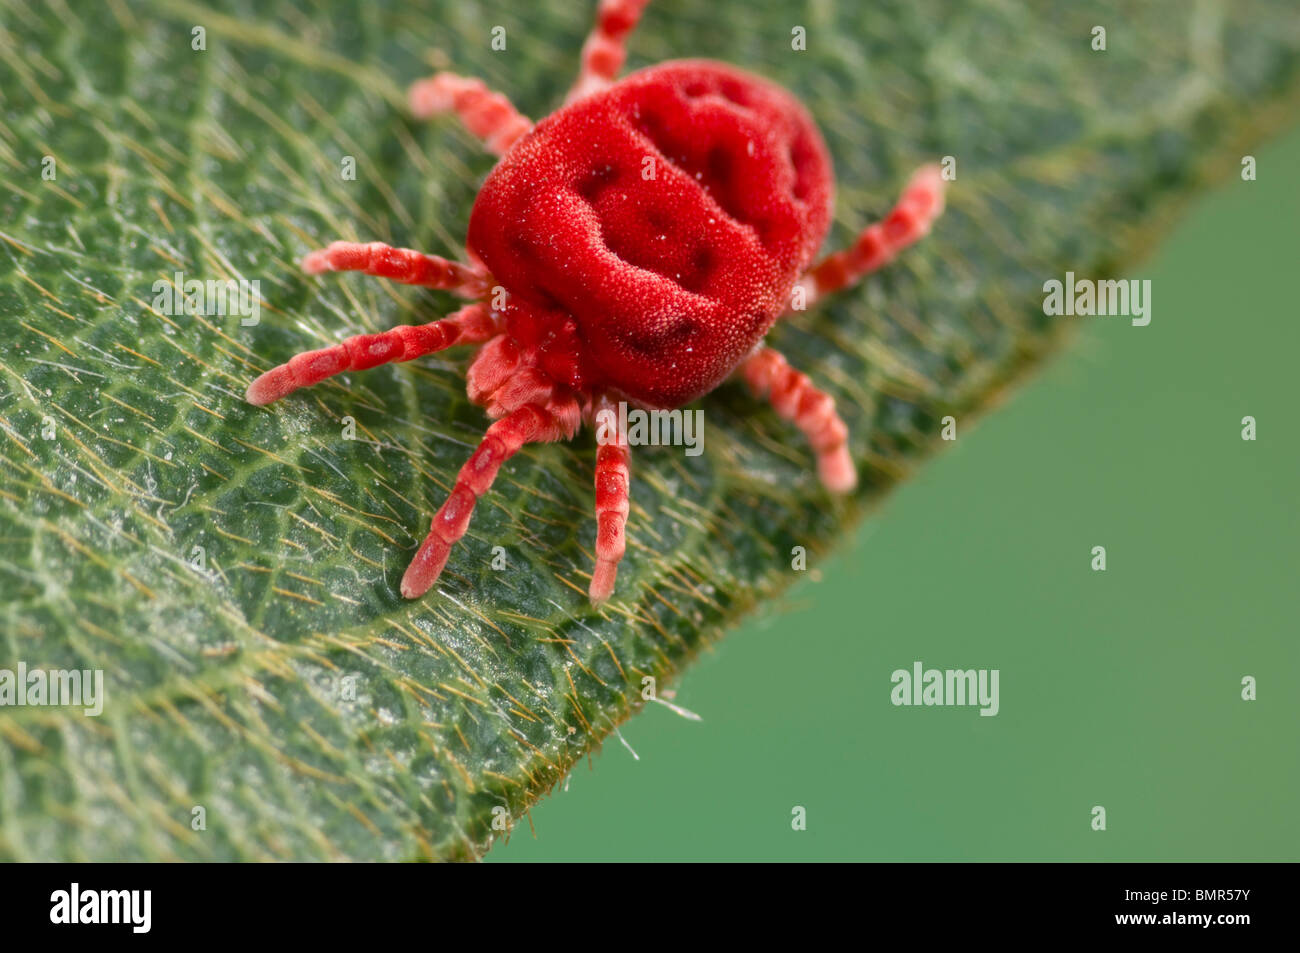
{"type": "Point", "coordinates": [1119, 689]}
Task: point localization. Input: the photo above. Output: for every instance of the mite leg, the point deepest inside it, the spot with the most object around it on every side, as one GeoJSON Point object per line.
{"type": "Point", "coordinates": [406, 265]}
{"type": "Point", "coordinates": [612, 460]}
{"type": "Point", "coordinates": [796, 398]}
{"type": "Point", "coordinates": [489, 116]}
{"type": "Point", "coordinates": [920, 204]}
{"type": "Point", "coordinates": [605, 51]}
{"type": "Point", "coordinates": [469, 325]}
{"type": "Point", "coordinates": [529, 424]}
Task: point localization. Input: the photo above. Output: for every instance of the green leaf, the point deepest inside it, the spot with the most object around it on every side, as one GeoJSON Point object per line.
{"type": "Point", "coordinates": [283, 685]}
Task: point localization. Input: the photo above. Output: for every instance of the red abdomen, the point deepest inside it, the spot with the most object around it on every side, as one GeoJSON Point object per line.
{"type": "Point", "coordinates": [669, 216]}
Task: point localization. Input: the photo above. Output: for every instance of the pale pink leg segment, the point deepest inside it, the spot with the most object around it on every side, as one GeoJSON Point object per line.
{"type": "Point", "coordinates": [469, 325]}
{"type": "Point", "coordinates": [796, 398]}
{"type": "Point", "coordinates": [909, 221]}
{"type": "Point", "coordinates": [527, 424]}
{"type": "Point", "coordinates": [406, 265]}
{"type": "Point", "coordinates": [487, 115]}
{"type": "Point", "coordinates": [612, 478]}
{"type": "Point", "coordinates": [605, 51]}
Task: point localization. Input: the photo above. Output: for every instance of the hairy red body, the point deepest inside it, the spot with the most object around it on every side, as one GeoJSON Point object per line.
{"type": "Point", "coordinates": [667, 217]}
{"type": "Point", "coordinates": [636, 245]}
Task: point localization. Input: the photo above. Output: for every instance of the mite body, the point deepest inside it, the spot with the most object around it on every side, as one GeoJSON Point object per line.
{"type": "Point", "coordinates": [646, 237]}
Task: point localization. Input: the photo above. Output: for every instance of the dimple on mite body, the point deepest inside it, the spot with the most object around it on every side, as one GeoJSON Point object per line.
{"type": "Point", "coordinates": [646, 236]}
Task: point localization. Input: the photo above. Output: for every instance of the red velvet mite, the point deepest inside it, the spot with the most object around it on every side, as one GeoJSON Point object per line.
{"type": "Point", "coordinates": [647, 236]}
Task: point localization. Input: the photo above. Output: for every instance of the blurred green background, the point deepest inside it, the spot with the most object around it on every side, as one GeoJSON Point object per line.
{"type": "Point", "coordinates": [1119, 688]}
